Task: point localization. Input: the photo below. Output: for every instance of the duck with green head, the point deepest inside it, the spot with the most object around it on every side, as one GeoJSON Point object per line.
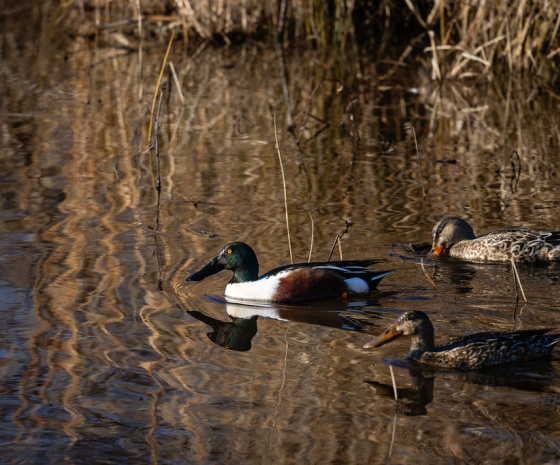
{"type": "Point", "coordinates": [291, 283]}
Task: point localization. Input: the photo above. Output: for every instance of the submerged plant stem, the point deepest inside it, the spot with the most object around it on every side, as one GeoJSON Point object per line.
{"type": "Point", "coordinates": [516, 280]}
{"type": "Point", "coordinates": [158, 84]}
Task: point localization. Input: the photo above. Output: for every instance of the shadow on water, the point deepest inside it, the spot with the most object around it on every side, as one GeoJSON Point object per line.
{"type": "Point", "coordinates": [238, 332]}
{"type": "Point", "coordinates": [536, 377]}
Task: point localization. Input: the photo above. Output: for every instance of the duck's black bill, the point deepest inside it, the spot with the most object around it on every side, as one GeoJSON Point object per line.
{"type": "Point", "coordinates": [212, 268]}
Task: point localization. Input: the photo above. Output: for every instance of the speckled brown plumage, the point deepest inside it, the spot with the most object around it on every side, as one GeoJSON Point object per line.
{"type": "Point", "coordinates": [471, 352]}
{"type": "Point", "coordinates": [455, 237]}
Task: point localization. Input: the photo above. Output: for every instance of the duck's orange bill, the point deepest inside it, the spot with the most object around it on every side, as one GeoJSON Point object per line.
{"type": "Point", "coordinates": [439, 250]}
{"type": "Point", "coordinates": [389, 334]}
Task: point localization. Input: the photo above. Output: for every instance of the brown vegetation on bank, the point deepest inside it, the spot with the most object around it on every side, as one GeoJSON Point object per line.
{"type": "Point", "coordinates": [461, 39]}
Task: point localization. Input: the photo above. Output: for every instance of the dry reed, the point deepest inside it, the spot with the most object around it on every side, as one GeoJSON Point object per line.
{"type": "Point", "coordinates": [476, 40]}
{"type": "Point", "coordinates": [285, 192]}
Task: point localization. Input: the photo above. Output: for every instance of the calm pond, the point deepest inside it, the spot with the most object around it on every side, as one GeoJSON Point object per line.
{"type": "Point", "coordinates": [109, 356]}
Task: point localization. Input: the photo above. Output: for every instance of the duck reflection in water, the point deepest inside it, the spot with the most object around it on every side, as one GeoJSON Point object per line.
{"type": "Point", "coordinates": [459, 273]}
{"type": "Point", "coordinates": [238, 332]}
{"type": "Point", "coordinates": [411, 400]}
{"type": "Point", "coordinates": [538, 376]}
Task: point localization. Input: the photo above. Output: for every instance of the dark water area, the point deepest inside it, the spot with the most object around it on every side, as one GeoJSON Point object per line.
{"type": "Point", "coordinates": [107, 355]}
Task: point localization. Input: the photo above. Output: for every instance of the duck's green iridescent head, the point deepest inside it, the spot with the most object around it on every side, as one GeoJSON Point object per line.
{"type": "Point", "coordinates": [237, 257]}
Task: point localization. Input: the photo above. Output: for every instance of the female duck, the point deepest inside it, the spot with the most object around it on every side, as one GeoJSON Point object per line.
{"type": "Point", "coordinates": [292, 283]}
{"type": "Point", "coordinates": [455, 237]}
{"type": "Point", "coordinates": [474, 351]}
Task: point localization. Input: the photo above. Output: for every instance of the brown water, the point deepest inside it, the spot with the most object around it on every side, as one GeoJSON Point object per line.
{"type": "Point", "coordinates": [105, 349]}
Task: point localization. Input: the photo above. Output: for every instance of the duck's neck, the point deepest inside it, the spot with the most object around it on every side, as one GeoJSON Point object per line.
{"type": "Point", "coordinates": [423, 342]}
{"type": "Point", "coordinates": [245, 274]}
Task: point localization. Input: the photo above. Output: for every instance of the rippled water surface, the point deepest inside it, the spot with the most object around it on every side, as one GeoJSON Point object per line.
{"type": "Point", "coordinates": [107, 355]}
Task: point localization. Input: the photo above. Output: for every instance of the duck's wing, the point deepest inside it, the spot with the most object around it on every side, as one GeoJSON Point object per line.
{"type": "Point", "coordinates": [552, 238]}
{"type": "Point", "coordinates": [523, 244]}
{"type": "Point", "coordinates": [524, 235]}
{"type": "Point", "coordinates": [524, 335]}
{"type": "Point", "coordinates": [342, 266]}
{"type": "Point", "coordinates": [484, 350]}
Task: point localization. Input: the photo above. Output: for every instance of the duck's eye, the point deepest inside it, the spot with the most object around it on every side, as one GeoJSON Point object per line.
{"type": "Point", "coordinates": [229, 251]}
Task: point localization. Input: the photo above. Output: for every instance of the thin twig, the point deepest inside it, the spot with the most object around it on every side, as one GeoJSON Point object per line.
{"type": "Point", "coordinates": [503, 202]}
{"type": "Point", "coordinates": [176, 130]}
{"type": "Point", "coordinates": [435, 63]}
{"type": "Point", "coordinates": [349, 224]}
{"type": "Point", "coordinates": [332, 248]}
{"type": "Point", "coordinates": [281, 21]}
{"type": "Point", "coordinates": [140, 65]}
{"type": "Point", "coordinates": [176, 79]}
{"type": "Point", "coordinates": [196, 100]}
{"type": "Point", "coordinates": [158, 83]}
{"type": "Point", "coordinates": [394, 383]}
{"type": "Point", "coordinates": [158, 190]}
{"type": "Point", "coordinates": [306, 114]}
{"type": "Point", "coordinates": [393, 434]}
{"type": "Point", "coordinates": [285, 193]}
{"type": "Point", "coordinates": [312, 231]}
{"type": "Point", "coordinates": [285, 87]}
{"type": "Point", "coordinates": [156, 146]}
{"type": "Point", "coordinates": [427, 276]}
{"type": "Point", "coordinates": [517, 280]}
{"type": "Point", "coordinates": [416, 14]}
{"type": "Point", "coordinates": [395, 418]}
{"type": "Point", "coordinates": [515, 284]}
{"type": "Point", "coordinates": [515, 315]}
{"type": "Point", "coordinates": [277, 409]}
{"type": "Point", "coordinates": [419, 164]}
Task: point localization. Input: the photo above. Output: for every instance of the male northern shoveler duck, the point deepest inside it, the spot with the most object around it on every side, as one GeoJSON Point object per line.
{"type": "Point", "coordinates": [471, 352]}
{"type": "Point", "coordinates": [455, 237]}
{"type": "Point", "coordinates": [292, 283]}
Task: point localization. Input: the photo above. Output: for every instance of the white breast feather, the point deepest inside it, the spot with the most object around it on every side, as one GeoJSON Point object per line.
{"type": "Point", "coordinates": [263, 289]}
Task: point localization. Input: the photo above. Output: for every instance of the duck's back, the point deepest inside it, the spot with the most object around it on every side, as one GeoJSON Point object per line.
{"type": "Point", "coordinates": [502, 245]}
{"type": "Point", "coordinates": [485, 350]}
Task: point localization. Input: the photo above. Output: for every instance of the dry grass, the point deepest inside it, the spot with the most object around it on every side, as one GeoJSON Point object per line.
{"type": "Point", "coordinates": [482, 39]}
{"type": "Point", "coordinates": [463, 40]}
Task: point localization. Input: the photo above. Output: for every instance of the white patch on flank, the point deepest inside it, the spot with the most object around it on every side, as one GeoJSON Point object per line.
{"type": "Point", "coordinates": [263, 289]}
{"type": "Point", "coordinates": [357, 285]}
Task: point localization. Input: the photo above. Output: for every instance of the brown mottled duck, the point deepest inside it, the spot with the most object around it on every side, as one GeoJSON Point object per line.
{"type": "Point", "coordinates": [471, 352]}
{"type": "Point", "coordinates": [455, 237]}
